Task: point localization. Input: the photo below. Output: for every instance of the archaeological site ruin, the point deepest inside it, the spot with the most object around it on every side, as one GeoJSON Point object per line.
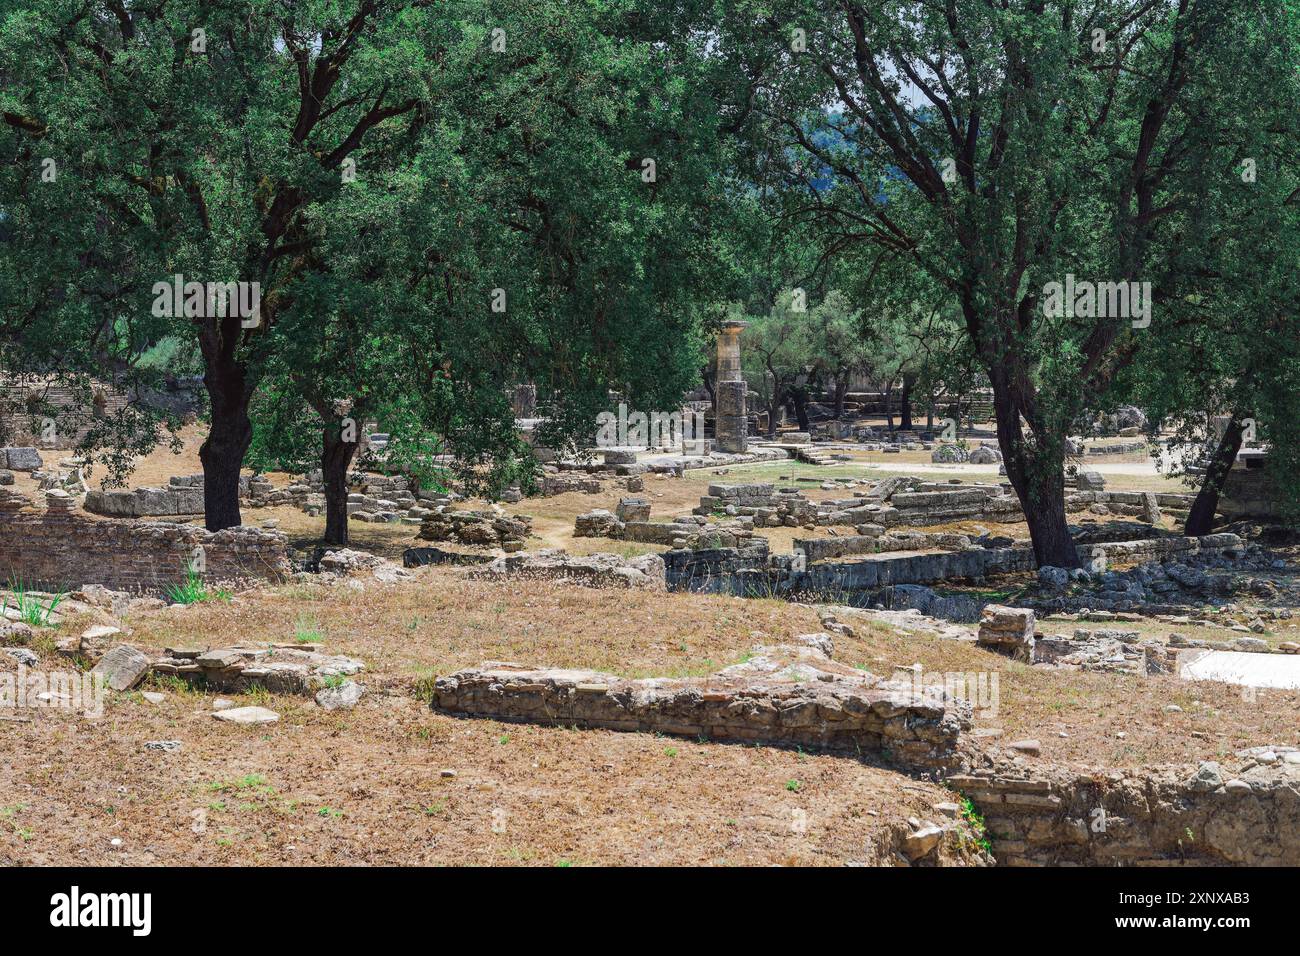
{"type": "Point", "coordinates": [583, 433]}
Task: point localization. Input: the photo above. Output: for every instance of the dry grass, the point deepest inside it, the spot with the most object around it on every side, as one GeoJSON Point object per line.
{"type": "Point", "coordinates": [365, 786]}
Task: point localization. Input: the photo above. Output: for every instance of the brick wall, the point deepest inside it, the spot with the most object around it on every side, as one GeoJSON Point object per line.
{"type": "Point", "coordinates": [1147, 817]}
{"type": "Point", "coordinates": [61, 547]}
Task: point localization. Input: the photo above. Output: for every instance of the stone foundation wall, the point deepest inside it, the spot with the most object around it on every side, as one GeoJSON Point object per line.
{"type": "Point", "coordinates": [941, 507]}
{"type": "Point", "coordinates": [753, 572]}
{"type": "Point", "coordinates": [22, 423]}
{"type": "Point", "coordinates": [61, 548]}
{"type": "Point", "coordinates": [781, 695]}
{"type": "Point", "coordinates": [1151, 817]}
{"type": "Point", "coordinates": [717, 570]}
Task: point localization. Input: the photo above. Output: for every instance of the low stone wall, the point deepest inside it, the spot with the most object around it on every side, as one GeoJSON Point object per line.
{"type": "Point", "coordinates": [768, 506]}
{"type": "Point", "coordinates": [61, 548]}
{"type": "Point", "coordinates": [476, 528]}
{"type": "Point", "coordinates": [598, 570]}
{"type": "Point", "coordinates": [172, 501]}
{"type": "Point", "coordinates": [1153, 817]}
{"type": "Point", "coordinates": [559, 484]}
{"type": "Point", "coordinates": [782, 695]}
{"type": "Point", "coordinates": [1124, 448]}
{"type": "Point", "coordinates": [979, 562]}
{"type": "Point", "coordinates": [280, 668]}
{"type": "Point", "coordinates": [717, 570]}
{"type": "Point", "coordinates": [749, 571]}
{"type": "Point", "coordinates": [904, 501]}
{"type": "Point", "coordinates": [820, 549]}
{"type": "Point", "coordinates": [914, 569]}
{"type": "Point", "coordinates": [1161, 549]}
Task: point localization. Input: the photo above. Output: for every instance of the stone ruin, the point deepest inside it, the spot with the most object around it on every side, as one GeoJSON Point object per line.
{"type": "Point", "coordinates": [767, 506]}
{"type": "Point", "coordinates": [1241, 811]}
{"type": "Point", "coordinates": [20, 459]}
{"type": "Point", "coordinates": [948, 453]}
{"type": "Point", "coordinates": [1011, 631]}
{"type": "Point", "coordinates": [1008, 630]}
{"type": "Point", "coordinates": [788, 694]}
{"type": "Point", "coordinates": [183, 497]}
{"type": "Point", "coordinates": [481, 528]}
{"type": "Point", "coordinates": [299, 669]}
{"type": "Point", "coordinates": [593, 570]}
{"type": "Point", "coordinates": [906, 500]}
{"type": "Point", "coordinates": [731, 426]}
{"type": "Point", "coordinates": [59, 544]}
{"type": "Point", "coordinates": [631, 522]}
{"type": "Point", "coordinates": [280, 668]}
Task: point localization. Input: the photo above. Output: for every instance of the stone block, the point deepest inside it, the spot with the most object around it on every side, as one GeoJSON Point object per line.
{"type": "Point", "coordinates": [633, 509]}
{"type": "Point", "coordinates": [1008, 630]}
{"type": "Point", "coordinates": [21, 459]}
{"type": "Point", "coordinates": [122, 667]}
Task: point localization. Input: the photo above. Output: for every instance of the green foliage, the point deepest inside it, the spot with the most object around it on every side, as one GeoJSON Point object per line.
{"type": "Point", "coordinates": [192, 590]}
{"type": "Point", "coordinates": [30, 608]}
{"type": "Point", "coordinates": [975, 820]}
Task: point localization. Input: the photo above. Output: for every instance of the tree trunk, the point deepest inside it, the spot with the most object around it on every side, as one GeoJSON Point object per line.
{"type": "Point", "coordinates": [1037, 473]}
{"type": "Point", "coordinates": [1201, 518]}
{"type": "Point", "coordinates": [841, 393]}
{"type": "Point", "coordinates": [905, 403]}
{"type": "Point", "coordinates": [800, 397]}
{"type": "Point", "coordinates": [222, 452]}
{"type": "Point", "coordinates": [889, 408]}
{"type": "Point", "coordinates": [335, 460]}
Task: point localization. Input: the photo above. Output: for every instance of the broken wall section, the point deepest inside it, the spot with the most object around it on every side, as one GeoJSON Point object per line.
{"type": "Point", "coordinates": [62, 548]}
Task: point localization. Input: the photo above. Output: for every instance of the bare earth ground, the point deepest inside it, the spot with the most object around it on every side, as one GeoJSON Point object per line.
{"type": "Point", "coordinates": [367, 786]}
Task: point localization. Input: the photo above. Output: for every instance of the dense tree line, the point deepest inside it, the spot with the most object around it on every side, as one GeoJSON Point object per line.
{"type": "Point", "coordinates": [436, 200]}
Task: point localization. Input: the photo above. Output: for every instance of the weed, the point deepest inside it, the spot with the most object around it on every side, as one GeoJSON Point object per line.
{"type": "Point", "coordinates": [424, 687]}
{"type": "Point", "coordinates": [192, 590]}
{"type": "Point", "coordinates": [29, 606]}
{"type": "Point", "coordinates": [970, 813]}
{"type": "Point", "coordinates": [307, 630]}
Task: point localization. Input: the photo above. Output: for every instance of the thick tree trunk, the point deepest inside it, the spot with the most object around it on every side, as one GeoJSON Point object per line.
{"type": "Point", "coordinates": [841, 393]}
{"type": "Point", "coordinates": [222, 452]}
{"type": "Point", "coordinates": [1201, 518]}
{"type": "Point", "coordinates": [889, 407]}
{"type": "Point", "coordinates": [1037, 473]}
{"type": "Point", "coordinates": [905, 403]}
{"type": "Point", "coordinates": [800, 397]}
{"type": "Point", "coordinates": [335, 460]}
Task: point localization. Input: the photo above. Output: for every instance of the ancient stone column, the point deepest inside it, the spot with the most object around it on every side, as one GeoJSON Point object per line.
{"type": "Point", "coordinates": [732, 427]}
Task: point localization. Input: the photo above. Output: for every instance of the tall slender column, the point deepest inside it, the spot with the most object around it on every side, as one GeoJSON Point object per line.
{"type": "Point", "coordinates": [732, 427]}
